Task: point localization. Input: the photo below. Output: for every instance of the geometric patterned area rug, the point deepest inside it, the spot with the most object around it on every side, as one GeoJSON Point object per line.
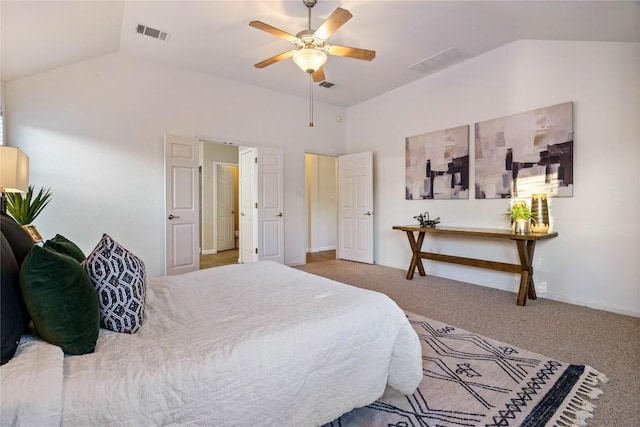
{"type": "Point", "coordinates": [471, 380]}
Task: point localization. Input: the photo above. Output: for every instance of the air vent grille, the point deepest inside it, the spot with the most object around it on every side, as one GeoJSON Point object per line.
{"type": "Point", "coordinates": [152, 32]}
{"type": "Point", "coordinates": [438, 61]}
{"type": "Point", "coordinates": [326, 84]}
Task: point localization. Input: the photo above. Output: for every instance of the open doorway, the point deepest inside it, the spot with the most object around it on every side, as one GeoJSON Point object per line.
{"type": "Point", "coordinates": [219, 218]}
{"type": "Point", "coordinates": [321, 203]}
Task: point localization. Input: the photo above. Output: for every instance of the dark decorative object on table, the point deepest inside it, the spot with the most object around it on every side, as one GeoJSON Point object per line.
{"type": "Point", "coordinates": [424, 220]}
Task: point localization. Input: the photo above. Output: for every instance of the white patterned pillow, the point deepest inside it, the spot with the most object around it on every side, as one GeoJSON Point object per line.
{"type": "Point", "coordinates": [119, 278]}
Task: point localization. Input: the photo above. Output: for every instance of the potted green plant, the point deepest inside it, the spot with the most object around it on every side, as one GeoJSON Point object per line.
{"type": "Point", "coordinates": [25, 208]}
{"type": "Point", "coordinates": [520, 217]}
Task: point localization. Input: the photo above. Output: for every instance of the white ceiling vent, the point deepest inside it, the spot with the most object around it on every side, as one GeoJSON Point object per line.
{"type": "Point", "coordinates": [152, 32]}
{"type": "Point", "coordinates": [438, 61]}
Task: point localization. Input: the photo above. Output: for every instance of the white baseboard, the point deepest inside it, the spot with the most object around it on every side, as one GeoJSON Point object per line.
{"type": "Point", "coordinates": [209, 251]}
{"type": "Point", "coordinates": [596, 305]}
{"type": "Point", "coordinates": [320, 249]}
{"type": "Point", "coordinates": [593, 304]}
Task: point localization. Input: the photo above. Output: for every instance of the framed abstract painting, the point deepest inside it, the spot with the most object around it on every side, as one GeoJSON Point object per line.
{"type": "Point", "coordinates": [437, 165]}
{"type": "Point", "coordinates": [526, 153]}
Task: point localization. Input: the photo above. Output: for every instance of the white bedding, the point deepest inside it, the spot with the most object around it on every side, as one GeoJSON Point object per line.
{"type": "Point", "coordinates": [31, 385]}
{"type": "Point", "coordinates": [256, 344]}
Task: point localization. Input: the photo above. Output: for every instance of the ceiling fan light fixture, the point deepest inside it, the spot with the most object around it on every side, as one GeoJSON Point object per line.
{"type": "Point", "coordinates": [309, 59]}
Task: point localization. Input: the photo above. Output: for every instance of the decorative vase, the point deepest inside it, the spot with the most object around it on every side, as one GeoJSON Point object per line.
{"type": "Point", "coordinates": [540, 211]}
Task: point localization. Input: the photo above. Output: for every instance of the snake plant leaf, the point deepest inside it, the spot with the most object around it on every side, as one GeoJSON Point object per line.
{"type": "Point", "coordinates": [25, 208]}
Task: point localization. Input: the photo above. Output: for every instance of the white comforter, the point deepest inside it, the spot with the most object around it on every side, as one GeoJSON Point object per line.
{"type": "Point", "coordinates": [257, 344]}
{"type": "Point", "coordinates": [31, 385]}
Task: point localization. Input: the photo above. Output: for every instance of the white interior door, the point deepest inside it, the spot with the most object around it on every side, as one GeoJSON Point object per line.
{"type": "Point", "coordinates": [225, 200]}
{"type": "Point", "coordinates": [270, 164]}
{"type": "Point", "coordinates": [355, 208]}
{"type": "Point", "coordinates": [248, 206]}
{"type": "Point", "coordinates": [182, 204]}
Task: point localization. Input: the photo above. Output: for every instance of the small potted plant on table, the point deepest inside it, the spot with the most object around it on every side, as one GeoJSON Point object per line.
{"type": "Point", "coordinates": [520, 217]}
{"type": "Point", "coordinates": [25, 209]}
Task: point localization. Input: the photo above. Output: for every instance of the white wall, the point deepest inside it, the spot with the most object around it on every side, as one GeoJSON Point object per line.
{"type": "Point", "coordinates": [594, 260]}
{"type": "Point", "coordinates": [94, 134]}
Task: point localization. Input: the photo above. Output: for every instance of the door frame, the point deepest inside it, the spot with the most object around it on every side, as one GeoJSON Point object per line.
{"type": "Point", "coordinates": [199, 153]}
{"type": "Point", "coordinates": [308, 228]}
{"type": "Point", "coordinates": [242, 147]}
{"type": "Point", "coordinates": [216, 164]}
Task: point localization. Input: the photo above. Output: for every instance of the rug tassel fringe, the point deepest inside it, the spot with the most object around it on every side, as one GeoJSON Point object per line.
{"type": "Point", "coordinates": [577, 409]}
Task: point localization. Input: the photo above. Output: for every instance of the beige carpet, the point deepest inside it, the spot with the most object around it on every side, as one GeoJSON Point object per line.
{"type": "Point", "coordinates": [608, 342]}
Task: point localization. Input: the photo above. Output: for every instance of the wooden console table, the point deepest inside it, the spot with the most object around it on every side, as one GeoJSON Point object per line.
{"type": "Point", "coordinates": [525, 243]}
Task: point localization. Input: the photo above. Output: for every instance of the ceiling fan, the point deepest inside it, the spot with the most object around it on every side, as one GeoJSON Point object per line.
{"type": "Point", "coordinates": [311, 49]}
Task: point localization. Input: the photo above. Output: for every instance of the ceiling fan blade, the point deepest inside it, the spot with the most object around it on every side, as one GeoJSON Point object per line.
{"type": "Point", "coordinates": [351, 52]}
{"type": "Point", "coordinates": [336, 20]}
{"type": "Point", "coordinates": [274, 59]}
{"type": "Point", "coordinates": [273, 30]}
{"type": "Point", "coordinates": [318, 76]}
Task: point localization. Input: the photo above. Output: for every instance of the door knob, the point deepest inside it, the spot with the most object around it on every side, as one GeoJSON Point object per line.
{"type": "Point", "coordinates": [367, 213]}
{"type": "Point", "coordinates": [173, 217]}
{"type": "Point", "coordinates": [280, 214]}
{"type": "Point", "coordinates": [242, 213]}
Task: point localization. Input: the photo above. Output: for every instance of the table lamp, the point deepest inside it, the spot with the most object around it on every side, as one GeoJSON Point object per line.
{"type": "Point", "coordinates": [14, 172]}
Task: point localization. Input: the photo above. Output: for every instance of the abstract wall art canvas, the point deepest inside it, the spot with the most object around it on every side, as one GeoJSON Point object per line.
{"type": "Point", "coordinates": [526, 153]}
{"type": "Point", "coordinates": [437, 165]}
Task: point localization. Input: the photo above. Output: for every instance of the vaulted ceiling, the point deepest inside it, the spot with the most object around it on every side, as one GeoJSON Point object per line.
{"type": "Point", "coordinates": [214, 37]}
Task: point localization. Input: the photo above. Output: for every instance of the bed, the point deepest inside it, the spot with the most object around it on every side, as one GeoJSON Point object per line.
{"type": "Point", "coordinates": [258, 344]}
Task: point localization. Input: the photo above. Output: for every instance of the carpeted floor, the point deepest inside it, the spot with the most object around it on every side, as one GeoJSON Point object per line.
{"type": "Point", "coordinates": [606, 341]}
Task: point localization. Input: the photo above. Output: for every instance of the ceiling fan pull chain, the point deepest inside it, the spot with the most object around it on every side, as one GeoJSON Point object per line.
{"type": "Point", "coordinates": [310, 101]}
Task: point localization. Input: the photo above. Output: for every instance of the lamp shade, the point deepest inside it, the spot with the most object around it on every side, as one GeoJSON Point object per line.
{"type": "Point", "coordinates": [14, 170]}
{"type": "Point", "coordinates": [309, 59]}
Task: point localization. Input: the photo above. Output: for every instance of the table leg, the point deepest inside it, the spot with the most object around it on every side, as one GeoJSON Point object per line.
{"type": "Point", "coordinates": [531, 246]}
{"type": "Point", "coordinates": [416, 261]}
{"type": "Point", "coordinates": [527, 288]}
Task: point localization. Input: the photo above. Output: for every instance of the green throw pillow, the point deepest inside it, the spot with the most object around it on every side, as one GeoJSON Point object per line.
{"type": "Point", "coordinates": [65, 246]}
{"type": "Point", "coordinates": [61, 300]}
